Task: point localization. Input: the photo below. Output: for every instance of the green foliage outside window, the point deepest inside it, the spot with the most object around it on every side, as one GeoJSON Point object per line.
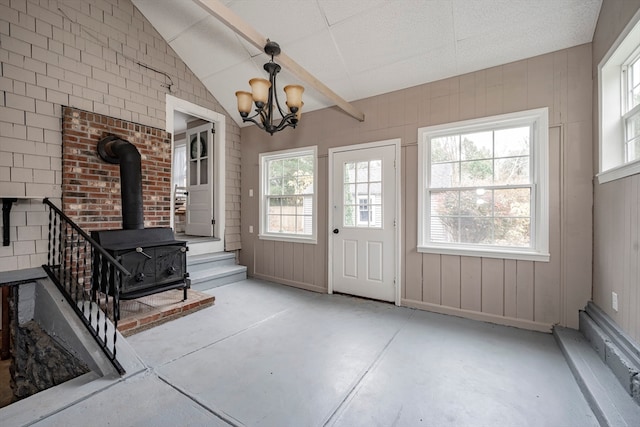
{"type": "Point", "coordinates": [480, 189]}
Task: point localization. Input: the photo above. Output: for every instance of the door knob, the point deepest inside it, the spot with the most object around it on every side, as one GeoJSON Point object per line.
{"type": "Point", "coordinates": [336, 231]}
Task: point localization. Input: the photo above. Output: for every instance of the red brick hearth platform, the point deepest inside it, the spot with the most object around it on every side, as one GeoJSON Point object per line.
{"type": "Point", "coordinates": [143, 313]}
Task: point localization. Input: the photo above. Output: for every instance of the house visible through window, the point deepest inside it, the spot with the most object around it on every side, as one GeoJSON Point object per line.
{"type": "Point", "coordinates": [288, 193]}
{"type": "Point", "coordinates": [363, 194]}
{"type": "Point", "coordinates": [483, 187]}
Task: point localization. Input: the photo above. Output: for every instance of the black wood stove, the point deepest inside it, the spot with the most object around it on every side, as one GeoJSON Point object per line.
{"type": "Point", "coordinates": [156, 260]}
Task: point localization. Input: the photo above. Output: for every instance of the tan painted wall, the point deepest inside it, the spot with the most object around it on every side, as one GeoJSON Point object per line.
{"type": "Point", "coordinates": [85, 55]}
{"type": "Point", "coordinates": [522, 293]}
{"type": "Point", "coordinates": [616, 204]}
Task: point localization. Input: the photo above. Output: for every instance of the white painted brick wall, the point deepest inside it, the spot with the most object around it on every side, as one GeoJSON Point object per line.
{"type": "Point", "coordinates": [81, 54]}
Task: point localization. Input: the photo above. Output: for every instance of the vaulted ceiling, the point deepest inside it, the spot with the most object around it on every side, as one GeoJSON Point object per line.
{"type": "Point", "coordinates": [362, 48]}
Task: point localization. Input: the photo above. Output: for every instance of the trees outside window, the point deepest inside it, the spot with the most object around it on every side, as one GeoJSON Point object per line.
{"type": "Point", "coordinates": [482, 185]}
{"type": "Point", "coordinates": [287, 201]}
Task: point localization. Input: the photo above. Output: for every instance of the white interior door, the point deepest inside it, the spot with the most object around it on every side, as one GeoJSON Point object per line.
{"type": "Point", "coordinates": [199, 212]}
{"type": "Point", "coordinates": [363, 222]}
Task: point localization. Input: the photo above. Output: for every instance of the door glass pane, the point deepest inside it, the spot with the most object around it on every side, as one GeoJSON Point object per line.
{"type": "Point", "coordinates": [349, 172]}
{"type": "Point", "coordinates": [362, 197]}
{"type": "Point", "coordinates": [362, 172]}
{"type": "Point", "coordinates": [203, 144]}
{"type": "Point", "coordinates": [204, 176]}
{"type": "Point", "coordinates": [349, 216]}
{"type": "Point", "coordinates": [193, 172]}
{"type": "Point", "coordinates": [375, 170]}
{"type": "Point", "coordinates": [349, 194]}
{"type": "Point", "coordinates": [193, 146]}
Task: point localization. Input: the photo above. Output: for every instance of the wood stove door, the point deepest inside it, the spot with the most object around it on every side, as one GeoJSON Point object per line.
{"type": "Point", "coordinates": [199, 212]}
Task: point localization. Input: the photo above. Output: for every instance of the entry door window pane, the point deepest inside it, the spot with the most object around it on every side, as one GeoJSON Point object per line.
{"type": "Point", "coordinates": [362, 194]}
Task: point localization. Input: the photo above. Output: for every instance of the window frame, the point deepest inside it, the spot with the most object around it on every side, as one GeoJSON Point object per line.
{"type": "Point", "coordinates": [613, 110]}
{"type": "Point", "coordinates": [263, 172]}
{"type": "Point", "coordinates": [629, 111]}
{"type": "Point", "coordinates": [538, 119]}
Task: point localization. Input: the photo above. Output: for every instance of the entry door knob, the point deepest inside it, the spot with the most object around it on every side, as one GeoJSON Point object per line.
{"type": "Point", "coordinates": [336, 231]}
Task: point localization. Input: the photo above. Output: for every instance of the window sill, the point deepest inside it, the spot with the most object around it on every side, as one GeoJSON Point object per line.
{"type": "Point", "coordinates": [287, 238]}
{"type": "Point", "coordinates": [486, 253]}
{"type": "Point", "coordinates": [619, 172]}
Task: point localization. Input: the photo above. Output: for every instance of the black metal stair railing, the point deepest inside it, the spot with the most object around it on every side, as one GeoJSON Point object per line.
{"type": "Point", "coordinates": [72, 257]}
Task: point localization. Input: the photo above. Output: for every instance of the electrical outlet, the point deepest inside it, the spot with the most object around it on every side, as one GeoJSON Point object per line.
{"type": "Point", "coordinates": [251, 192]}
{"type": "Point", "coordinates": [251, 229]}
{"type": "Point", "coordinates": [614, 301]}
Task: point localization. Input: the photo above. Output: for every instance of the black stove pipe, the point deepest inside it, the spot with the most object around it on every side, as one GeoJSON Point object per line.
{"type": "Point", "coordinates": [115, 150]}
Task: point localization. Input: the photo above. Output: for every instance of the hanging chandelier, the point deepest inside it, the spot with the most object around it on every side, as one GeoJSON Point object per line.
{"type": "Point", "coordinates": [263, 94]}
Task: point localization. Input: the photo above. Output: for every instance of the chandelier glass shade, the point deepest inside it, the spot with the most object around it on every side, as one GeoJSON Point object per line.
{"type": "Point", "coordinates": [265, 99]}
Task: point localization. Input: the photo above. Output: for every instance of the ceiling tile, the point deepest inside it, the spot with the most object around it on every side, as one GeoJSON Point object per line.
{"type": "Point", "coordinates": [440, 64]}
{"type": "Point", "coordinates": [337, 11]}
{"type": "Point", "coordinates": [394, 32]}
{"type": "Point", "coordinates": [282, 21]}
{"type": "Point", "coordinates": [170, 17]}
{"type": "Point", "coordinates": [325, 63]}
{"type": "Point", "coordinates": [209, 47]}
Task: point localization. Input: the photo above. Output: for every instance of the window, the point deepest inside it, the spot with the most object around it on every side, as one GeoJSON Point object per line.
{"type": "Point", "coordinates": [632, 111]}
{"type": "Point", "coordinates": [288, 195]}
{"type": "Point", "coordinates": [619, 106]}
{"type": "Point", "coordinates": [483, 187]}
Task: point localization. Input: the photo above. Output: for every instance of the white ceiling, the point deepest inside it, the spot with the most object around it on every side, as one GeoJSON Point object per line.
{"type": "Point", "coordinates": [362, 48]}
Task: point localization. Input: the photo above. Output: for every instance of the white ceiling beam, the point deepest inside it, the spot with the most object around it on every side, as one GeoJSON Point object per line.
{"type": "Point", "coordinates": [247, 32]}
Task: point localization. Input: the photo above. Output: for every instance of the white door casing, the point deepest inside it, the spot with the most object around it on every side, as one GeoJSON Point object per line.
{"type": "Point", "coordinates": [364, 224]}
{"type": "Point", "coordinates": [219, 188]}
{"type": "Point", "coordinates": [199, 212]}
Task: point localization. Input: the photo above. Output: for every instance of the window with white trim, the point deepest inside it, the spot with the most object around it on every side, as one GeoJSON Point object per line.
{"type": "Point", "coordinates": [619, 106]}
{"type": "Point", "coordinates": [483, 187]}
{"type": "Point", "coordinates": [631, 117]}
{"type": "Point", "coordinates": [288, 195]}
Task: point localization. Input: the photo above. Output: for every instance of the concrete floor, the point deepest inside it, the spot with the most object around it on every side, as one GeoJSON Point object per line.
{"type": "Point", "coordinates": [270, 355]}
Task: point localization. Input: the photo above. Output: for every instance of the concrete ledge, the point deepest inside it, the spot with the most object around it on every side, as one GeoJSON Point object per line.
{"type": "Point", "coordinates": [608, 401]}
{"type": "Point", "coordinates": [614, 347]}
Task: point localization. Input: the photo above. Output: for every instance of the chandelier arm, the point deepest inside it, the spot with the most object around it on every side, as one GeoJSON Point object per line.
{"type": "Point", "coordinates": [259, 112]}
{"type": "Point", "coordinates": [249, 119]}
{"type": "Point", "coordinates": [286, 121]}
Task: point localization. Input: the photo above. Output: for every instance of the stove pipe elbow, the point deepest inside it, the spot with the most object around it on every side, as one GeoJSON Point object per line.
{"type": "Point", "coordinates": [115, 150]}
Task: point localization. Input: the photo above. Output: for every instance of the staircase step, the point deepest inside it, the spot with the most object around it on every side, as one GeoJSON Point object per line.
{"type": "Point", "coordinates": [203, 247]}
{"type": "Point", "coordinates": [214, 277]}
{"type": "Point", "coordinates": [211, 260]}
{"type": "Point", "coordinates": [611, 404]}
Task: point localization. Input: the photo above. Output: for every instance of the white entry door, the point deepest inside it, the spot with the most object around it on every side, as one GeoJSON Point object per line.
{"type": "Point", "coordinates": [199, 212]}
{"type": "Point", "coordinates": [363, 220]}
